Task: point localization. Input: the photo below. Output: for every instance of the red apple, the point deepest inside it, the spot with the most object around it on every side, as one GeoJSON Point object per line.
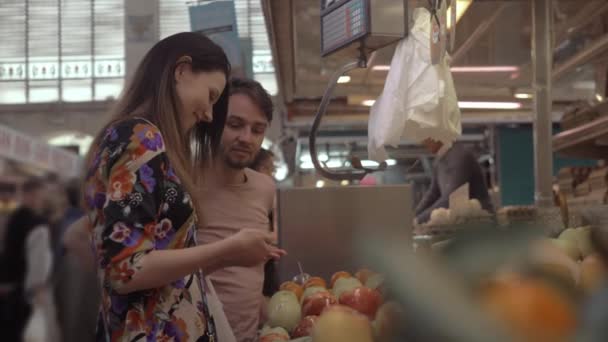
{"type": "Point", "coordinates": [305, 327]}
{"type": "Point", "coordinates": [316, 303]}
{"type": "Point", "coordinates": [362, 299]}
{"type": "Point", "coordinates": [315, 281]}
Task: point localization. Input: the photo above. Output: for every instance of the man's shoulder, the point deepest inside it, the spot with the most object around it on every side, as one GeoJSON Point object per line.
{"type": "Point", "coordinates": [260, 181]}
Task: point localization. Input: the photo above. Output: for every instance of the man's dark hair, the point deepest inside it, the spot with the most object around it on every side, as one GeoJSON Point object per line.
{"type": "Point", "coordinates": [32, 184]}
{"type": "Point", "coordinates": [262, 156]}
{"type": "Point", "coordinates": [256, 93]}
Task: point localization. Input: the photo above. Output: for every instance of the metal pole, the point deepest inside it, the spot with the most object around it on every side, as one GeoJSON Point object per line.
{"type": "Point", "coordinates": [542, 60]}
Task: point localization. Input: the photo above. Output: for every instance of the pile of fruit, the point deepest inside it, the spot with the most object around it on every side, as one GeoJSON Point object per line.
{"type": "Point", "coordinates": [545, 302]}
{"type": "Point", "coordinates": [352, 309]}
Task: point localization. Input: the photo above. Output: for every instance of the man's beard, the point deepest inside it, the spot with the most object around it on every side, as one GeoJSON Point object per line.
{"type": "Point", "coordinates": [237, 164]}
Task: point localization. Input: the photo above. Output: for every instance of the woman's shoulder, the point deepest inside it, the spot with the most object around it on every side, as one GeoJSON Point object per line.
{"type": "Point", "coordinates": [134, 134]}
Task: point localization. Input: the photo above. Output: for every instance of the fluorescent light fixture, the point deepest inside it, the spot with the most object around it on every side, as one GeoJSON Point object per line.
{"type": "Point", "coordinates": [391, 162]}
{"type": "Point", "coordinates": [344, 79]}
{"type": "Point", "coordinates": [344, 182]}
{"type": "Point", "coordinates": [368, 103]}
{"type": "Point", "coordinates": [381, 67]}
{"type": "Point", "coordinates": [461, 7]}
{"type": "Point", "coordinates": [523, 96]}
{"type": "Point", "coordinates": [332, 164]}
{"type": "Point", "coordinates": [369, 163]}
{"type": "Point", "coordinates": [320, 183]}
{"type": "Point", "coordinates": [464, 69]}
{"type": "Point", "coordinates": [489, 105]}
{"type": "Point", "coordinates": [307, 165]}
{"type": "Point", "coordinates": [599, 97]}
{"type": "Point", "coordinates": [503, 68]}
{"type": "Point", "coordinates": [305, 158]}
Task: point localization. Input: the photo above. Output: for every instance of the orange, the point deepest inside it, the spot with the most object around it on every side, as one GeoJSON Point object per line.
{"type": "Point", "coordinates": [293, 287]}
{"type": "Point", "coordinates": [315, 281]}
{"type": "Point", "coordinates": [531, 308]}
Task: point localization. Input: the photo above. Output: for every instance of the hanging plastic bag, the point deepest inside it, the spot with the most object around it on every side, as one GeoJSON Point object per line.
{"type": "Point", "coordinates": [419, 99]}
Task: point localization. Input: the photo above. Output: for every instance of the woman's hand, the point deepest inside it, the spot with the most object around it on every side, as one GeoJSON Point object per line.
{"type": "Point", "coordinates": [251, 247]}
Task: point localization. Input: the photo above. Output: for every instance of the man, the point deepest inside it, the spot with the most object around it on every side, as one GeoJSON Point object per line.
{"type": "Point", "coordinates": [26, 266]}
{"type": "Point", "coordinates": [236, 197]}
{"type": "Point", "coordinates": [453, 168]}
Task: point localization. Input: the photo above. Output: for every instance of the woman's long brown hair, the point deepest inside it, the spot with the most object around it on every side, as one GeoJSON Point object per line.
{"type": "Point", "coordinates": [151, 94]}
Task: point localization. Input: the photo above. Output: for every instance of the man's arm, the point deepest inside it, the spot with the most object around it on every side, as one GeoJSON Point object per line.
{"type": "Point", "coordinates": [39, 264]}
{"type": "Point", "coordinates": [451, 175]}
{"type": "Point", "coordinates": [431, 196]}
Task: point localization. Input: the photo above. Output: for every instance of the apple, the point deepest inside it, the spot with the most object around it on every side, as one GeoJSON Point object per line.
{"type": "Point", "coordinates": [284, 310]}
{"type": "Point", "coordinates": [315, 281]}
{"type": "Point", "coordinates": [388, 321]}
{"type": "Point", "coordinates": [584, 241]}
{"type": "Point", "coordinates": [568, 245]}
{"type": "Point", "coordinates": [292, 287]}
{"type": "Point", "coordinates": [363, 274]}
{"type": "Point", "coordinates": [274, 334]}
{"type": "Point", "coordinates": [362, 299]}
{"type": "Point", "coordinates": [593, 273]}
{"type": "Point", "coordinates": [317, 302]}
{"type": "Point", "coordinates": [305, 327]}
{"type": "Point", "coordinates": [338, 275]}
{"type": "Point", "coordinates": [339, 323]}
{"type": "Point", "coordinates": [345, 284]}
{"type": "Point", "coordinates": [375, 282]}
{"type": "Point", "coordinates": [310, 291]}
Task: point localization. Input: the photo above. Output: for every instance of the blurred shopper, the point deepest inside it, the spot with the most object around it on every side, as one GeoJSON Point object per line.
{"type": "Point", "coordinates": [26, 300]}
{"type": "Point", "coordinates": [236, 198]}
{"type": "Point", "coordinates": [264, 163]}
{"type": "Point", "coordinates": [141, 198]}
{"type": "Point", "coordinates": [75, 280]}
{"type": "Point", "coordinates": [452, 169]}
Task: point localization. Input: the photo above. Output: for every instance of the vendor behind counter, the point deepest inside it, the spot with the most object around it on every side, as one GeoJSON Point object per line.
{"type": "Point", "coordinates": [453, 167]}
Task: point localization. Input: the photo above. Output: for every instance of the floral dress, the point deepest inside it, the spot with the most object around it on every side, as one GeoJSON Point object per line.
{"type": "Point", "coordinates": [137, 205]}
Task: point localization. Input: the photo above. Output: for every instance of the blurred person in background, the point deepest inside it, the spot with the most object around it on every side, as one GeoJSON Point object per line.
{"type": "Point", "coordinates": [26, 298]}
{"type": "Point", "coordinates": [142, 201]}
{"type": "Point", "coordinates": [75, 280]}
{"type": "Point", "coordinates": [264, 163]}
{"type": "Point", "coordinates": [236, 198]}
{"type": "Point", "coordinates": [453, 168]}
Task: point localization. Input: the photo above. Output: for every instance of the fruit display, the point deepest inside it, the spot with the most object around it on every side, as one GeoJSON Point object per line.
{"type": "Point", "coordinates": [347, 311]}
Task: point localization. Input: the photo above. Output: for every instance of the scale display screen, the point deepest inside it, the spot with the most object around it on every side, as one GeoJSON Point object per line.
{"type": "Point", "coordinates": [344, 24]}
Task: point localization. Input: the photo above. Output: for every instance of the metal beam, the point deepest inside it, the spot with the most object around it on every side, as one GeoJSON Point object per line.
{"type": "Point", "coordinates": [589, 12]}
{"type": "Point", "coordinates": [584, 56]}
{"type": "Point", "coordinates": [476, 35]}
{"type": "Point", "coordinates": [542, 58]}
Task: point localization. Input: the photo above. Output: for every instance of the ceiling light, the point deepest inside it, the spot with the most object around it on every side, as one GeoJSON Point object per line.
{"type": "Point", "coordinates": [381, 67]}
{"type": "Point", "coordinates": [344, 182]}
{"type": "Point", "coordinates": [489, 105]}
{"type": "Point", "coordinates": [368, 103]}
{"type": "Point", "coordinates": [391, 162]}
{"type": "Point", "coordinates": [307, 165]}
{"type": "Point", "coordinates": [599, 97]}
{"type": "Point", "coordinates": [496, 68]}
{"type": "Point", "coordinates": [369, 163]}
{"type": "Point", "coordinates": [523, 96]}
{"type": "Point", "coordinates": [344, 79]}
{"type": "Point", "coordinates": [463, 69]}
{"type": "Point", "coordinates": [320, 183]}
{"type": "Point", "coordinates": [461, 7]}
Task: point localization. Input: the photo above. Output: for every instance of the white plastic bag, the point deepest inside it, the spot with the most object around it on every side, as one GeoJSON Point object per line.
{"type": "Point", "coordinates": [419, 99]}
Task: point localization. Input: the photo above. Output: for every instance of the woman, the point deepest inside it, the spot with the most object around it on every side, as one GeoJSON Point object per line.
{"type": "Point", "coordinates": [141, 199]}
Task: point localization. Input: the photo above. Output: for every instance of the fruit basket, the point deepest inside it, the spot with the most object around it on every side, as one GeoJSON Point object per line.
{"type": "Point", "coordinates": [346, 307]}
